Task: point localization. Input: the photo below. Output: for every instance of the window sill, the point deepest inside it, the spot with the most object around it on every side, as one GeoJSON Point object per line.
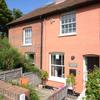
{"type": "Point", "coordinates": [27, 44]}
{"type": "Point", "coordinates": [67, 34]}
{"type": "Point", "coordinates": [57, 79]}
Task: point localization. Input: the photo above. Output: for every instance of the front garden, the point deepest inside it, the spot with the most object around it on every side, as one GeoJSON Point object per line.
{"type": "Point", "coordinates": [10, 59]}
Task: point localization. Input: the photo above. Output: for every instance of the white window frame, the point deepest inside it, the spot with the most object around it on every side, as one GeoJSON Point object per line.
{"type": "Point", "coordinates": [69, 33]}
{"type": "Point", "coordinates": [54, 78]}
{"type": "Point", "coordinates": [24, 36]}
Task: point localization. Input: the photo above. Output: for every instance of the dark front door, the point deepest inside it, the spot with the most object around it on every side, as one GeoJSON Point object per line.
{"type": "Point", "coordinates": [92, 62]}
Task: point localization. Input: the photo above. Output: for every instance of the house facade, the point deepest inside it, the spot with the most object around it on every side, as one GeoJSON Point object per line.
{"type": "Point", "coordinates": [72, 45]}
{"type": "Point", "coordinates": [68, 36]}
{"type": "Point", "coordinates": [26, 37]}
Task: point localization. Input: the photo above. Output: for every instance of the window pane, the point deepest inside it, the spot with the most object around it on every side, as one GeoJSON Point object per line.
{"type": "Point", "coordinates": [57, 61]}
{"type": "Point", "coordinates": [57, 71]}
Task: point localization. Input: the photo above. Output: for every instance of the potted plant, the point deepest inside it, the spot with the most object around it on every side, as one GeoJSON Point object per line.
{"type": "Point", "coordinates": [44, 76]}
{"type": "Point", "coordinates": [71, 81]}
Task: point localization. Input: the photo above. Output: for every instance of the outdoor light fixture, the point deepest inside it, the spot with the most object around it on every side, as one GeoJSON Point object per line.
{"type": "Point", "coordinates": [72, 57]}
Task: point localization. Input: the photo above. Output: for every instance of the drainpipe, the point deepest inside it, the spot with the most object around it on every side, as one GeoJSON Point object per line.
{"type": "Point", "coordinates": [41, 47]}
{"type": "Point", "coordinates": [99, 36]}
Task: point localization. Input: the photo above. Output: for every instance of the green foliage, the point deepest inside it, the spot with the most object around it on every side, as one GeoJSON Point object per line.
{"type": "Point", "coordinates": [16, 13]}
{"type": "Point", "coordinates": [71, 80]}
{"type": "Point", "coordinates": [44, 75]}
{"type": "Point", "coordinates": [10, 58]}
{"type": "Point", "coordinates": [33, 93]}
{"type": "Point", "coordinates": [28, 67]}
{"type": "Point", "coordinates": [93, 85]}
{"type": "Point", "coordinates": [5, 15]}
{"type": "Point", "coordinates": [4, 43]}
{"type": "Point", "coordinates": [1, 97]}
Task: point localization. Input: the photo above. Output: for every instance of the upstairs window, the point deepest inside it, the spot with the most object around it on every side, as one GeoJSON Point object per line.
{"type": "Point", "coordinates": [27, 36]}
{"type": "Point", "coordinates": [68, 23]}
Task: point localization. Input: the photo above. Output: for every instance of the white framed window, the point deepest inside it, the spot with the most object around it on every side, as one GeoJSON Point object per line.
{"type": "Point", "coordinates": [57, 65]}
{"type": "Point", "coordinates": [30, 56]}
{"type": "Point", "coordinates": [57, 69]}
{"type": "Point", "coordinates": [68, 24]}
{"type": "Point", "coordinates": [27, 36]}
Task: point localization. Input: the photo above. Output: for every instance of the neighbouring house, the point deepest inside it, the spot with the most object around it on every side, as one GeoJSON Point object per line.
{"type": "Point", "coordinates": [65, 38]}
{"type": "Point", "coordinates": [26, 37]}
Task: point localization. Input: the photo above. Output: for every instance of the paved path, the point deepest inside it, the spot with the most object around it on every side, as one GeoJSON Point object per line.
{"type": "Point", "coordinates": [45, 93]}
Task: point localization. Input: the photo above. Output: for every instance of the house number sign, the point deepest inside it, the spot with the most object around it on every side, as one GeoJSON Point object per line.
{"type": "Point", "coordinates": [73, 64]}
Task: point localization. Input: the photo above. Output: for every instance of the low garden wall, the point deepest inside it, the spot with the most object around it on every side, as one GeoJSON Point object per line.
{"type": "Point", "coordinates": [60, 94]}
{"type": "Point", "coordinates": [34, 79]}
{"type": "Point", "coordinates": [12, 92]}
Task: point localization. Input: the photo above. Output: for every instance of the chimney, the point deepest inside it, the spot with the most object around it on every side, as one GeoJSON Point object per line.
{"type": "Point", "coordinates": [59, 1]}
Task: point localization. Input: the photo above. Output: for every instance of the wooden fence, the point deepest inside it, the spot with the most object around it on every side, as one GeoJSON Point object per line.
{"type": "Point", "coordinates": [60, 94]}
{"type": "Point", "coordinates": [11, 74]}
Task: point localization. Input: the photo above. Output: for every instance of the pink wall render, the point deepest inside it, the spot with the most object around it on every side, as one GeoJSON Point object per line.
{"type": "Point", "coordinates": [86, 41]}
{"type": "Point", "coordinates": [16, 39]}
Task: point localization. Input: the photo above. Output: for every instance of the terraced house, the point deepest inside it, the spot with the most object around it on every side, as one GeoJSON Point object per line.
{"type": "Point", "coordinates": [62, 38]}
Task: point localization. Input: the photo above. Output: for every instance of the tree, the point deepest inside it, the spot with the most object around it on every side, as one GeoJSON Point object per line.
{"type": "Point", "coordinates": [93, 85]}
{"type": "Point", "coordinates": [5, 16]}
{"type": "Point", "coordinates": [16, 13]}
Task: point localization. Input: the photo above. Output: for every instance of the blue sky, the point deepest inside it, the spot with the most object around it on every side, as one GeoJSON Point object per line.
{"type": "Point", "coordinates": [26, 5]}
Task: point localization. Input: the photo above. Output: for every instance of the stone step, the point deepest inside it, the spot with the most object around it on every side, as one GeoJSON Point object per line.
{"type": "Point", "coordinates": [71, 97]}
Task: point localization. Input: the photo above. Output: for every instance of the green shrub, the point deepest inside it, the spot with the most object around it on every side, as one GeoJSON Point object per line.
{"type": "Point", "coordinates": [93, 85]}
{"type": "Point", "coordinates": [33, 93]}
{"type": "Point", "coordinates": [10, 58]}
{"type": "Point", "coordinates": [43, 76]}
{"type": "Point", "coordinates": [1, 97]}
{"type": "Point", "coordinates": [4, 43]}
{"type": "Point", "coordinates": [71, 80]}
